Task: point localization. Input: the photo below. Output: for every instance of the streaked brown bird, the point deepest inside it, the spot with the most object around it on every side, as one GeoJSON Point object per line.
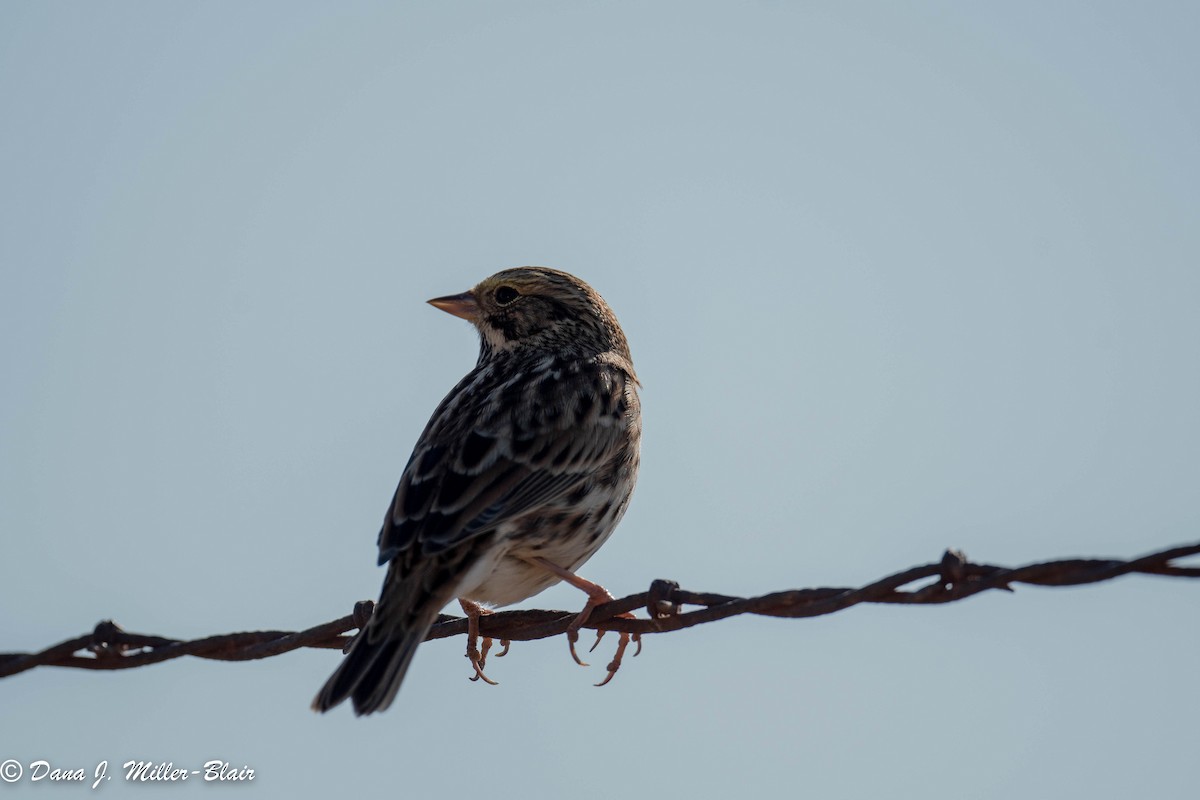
{"type": "Point", "coordinates": [521, 475]}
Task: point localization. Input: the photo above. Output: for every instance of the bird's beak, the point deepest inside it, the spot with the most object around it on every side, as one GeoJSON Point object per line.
{"type": "Point", "coordinates": [460, 305]}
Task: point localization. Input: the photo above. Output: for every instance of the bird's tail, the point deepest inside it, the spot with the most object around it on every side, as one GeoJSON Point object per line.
{"type": "Point", "coordinates": [374, 668]}
{"type": "Point", "coordinates": [371, 674]}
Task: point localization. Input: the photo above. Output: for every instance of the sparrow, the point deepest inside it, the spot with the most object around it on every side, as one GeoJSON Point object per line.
{"type": "Point", "coordinates": [522, 473]}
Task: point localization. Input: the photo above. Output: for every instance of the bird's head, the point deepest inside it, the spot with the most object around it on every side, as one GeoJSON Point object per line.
{"type": "Point", "coordinates": [538, 310]}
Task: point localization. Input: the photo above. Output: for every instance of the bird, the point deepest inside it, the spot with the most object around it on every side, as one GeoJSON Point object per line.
{"type": "Point", "coordinates": [521, 474]}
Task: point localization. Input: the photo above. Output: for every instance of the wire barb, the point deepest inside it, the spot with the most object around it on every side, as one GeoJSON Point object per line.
{"type": "Point", "coordinates": [952, 578]}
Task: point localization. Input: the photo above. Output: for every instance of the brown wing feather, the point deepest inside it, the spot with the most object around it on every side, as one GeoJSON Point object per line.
{"type": "Point", "coordinates": [477, 465]}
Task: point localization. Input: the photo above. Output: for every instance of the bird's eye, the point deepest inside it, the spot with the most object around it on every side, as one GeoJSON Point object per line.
{"type": "Point", "coordinates": [506, 294]}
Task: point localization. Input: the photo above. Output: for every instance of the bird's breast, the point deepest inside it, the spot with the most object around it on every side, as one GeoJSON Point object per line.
{"type": "Point", "coordinates": [563, 535]}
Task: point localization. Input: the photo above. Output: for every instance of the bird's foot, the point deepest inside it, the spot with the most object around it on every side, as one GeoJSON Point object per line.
{"type": "Point", "coordinates": [478, 657]}
{"type": "Point", "coordinates": [623, 638]}
{"type": "Point", "coordinates": [597, 595]}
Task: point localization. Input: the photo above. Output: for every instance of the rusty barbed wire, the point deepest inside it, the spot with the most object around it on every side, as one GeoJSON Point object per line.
{"type": "Point", "coordinates": [950, 579]}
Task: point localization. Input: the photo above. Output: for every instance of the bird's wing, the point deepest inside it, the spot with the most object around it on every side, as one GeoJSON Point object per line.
{"type": "Point", "coordinates": [462, 482]}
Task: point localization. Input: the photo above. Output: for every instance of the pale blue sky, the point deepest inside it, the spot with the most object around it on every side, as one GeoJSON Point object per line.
{"type": "Point", "coordinates": [897, 277]}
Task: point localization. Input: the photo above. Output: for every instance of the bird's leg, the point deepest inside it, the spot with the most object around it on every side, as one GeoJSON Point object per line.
{"type": "Point", "coordinates": [474, 611]}
{"type": "Point", "coordinates": [487, 640]}
{"type": "Point", "coordinates": [597, 595]}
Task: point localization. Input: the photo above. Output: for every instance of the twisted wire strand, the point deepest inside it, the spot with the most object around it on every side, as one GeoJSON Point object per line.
{"type": "Point", "coordinates": [951, 579]}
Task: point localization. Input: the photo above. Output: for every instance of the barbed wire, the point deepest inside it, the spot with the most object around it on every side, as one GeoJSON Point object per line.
{"type": "Point", "coordinates": [952, 578]}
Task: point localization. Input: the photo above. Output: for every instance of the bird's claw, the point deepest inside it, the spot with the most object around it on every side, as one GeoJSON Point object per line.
{"type": "Point", "coordinates": [478, 658]}
{"type": "Point", "coordinates": [483, 651]}
{"type": "Point", "coordinates": [615, 664]}
{"type": "Point", "coordinates": [477, 661]}
{"type": "Point", "coordinates": [622, 643]}
{"type": "Point", "coordinates": [597, 595]}
{"type": "Point", "coordinates": [572, 638]}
